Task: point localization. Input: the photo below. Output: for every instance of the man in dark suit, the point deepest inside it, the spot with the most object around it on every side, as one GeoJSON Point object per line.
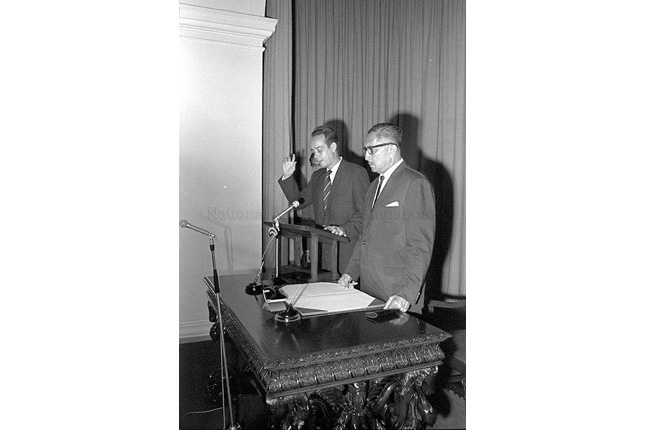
{"type": "Point", "coordinates": [336, 190]}
{"type": "Point", "coordinates": [395, 246]}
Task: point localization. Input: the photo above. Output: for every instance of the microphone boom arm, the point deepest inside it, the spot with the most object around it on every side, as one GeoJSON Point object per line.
{"type": "Point", "coordinates": [226, 386]}
{"type": "Point", "coordinates": [294, 205]}
{"type": "Point", "coordinates": [185, 224]}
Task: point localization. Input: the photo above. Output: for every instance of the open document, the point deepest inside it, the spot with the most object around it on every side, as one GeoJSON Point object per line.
{"type": "Point", "coordinates": [327, 297]}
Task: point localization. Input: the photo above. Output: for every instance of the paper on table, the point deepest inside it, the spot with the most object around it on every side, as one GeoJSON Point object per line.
{"type": "Point", "coordinates": [326, 296]}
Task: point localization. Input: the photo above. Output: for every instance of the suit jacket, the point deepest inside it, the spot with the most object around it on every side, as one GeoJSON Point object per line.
{"type": "Point", "coordinates": [346, 204]}
{"type": "Point", "coordinates": [395, 246]}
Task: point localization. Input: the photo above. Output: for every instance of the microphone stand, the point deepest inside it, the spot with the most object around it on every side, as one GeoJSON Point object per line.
{"type": "Point", "coordinates": [290, 314]}
{"type": "Point", "coordinates": [276, 228]}
{"type": "Point", "coordinates": [255, 288]}
{"type": "Point", "coordinates": [223, 359]}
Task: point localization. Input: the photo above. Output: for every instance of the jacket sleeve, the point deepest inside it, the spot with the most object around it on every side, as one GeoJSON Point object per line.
{"type": "Point", "coordinates": [360, 182]}
{"type": "Point", "coordinates": [419, 218]}
{"type": "Point", "coordinates": [292, 192]}
{"type": "Point", "coordinates": [353, 267]}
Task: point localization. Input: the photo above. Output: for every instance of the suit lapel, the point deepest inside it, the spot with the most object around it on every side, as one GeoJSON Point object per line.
{"type": "Point", "coordinates": [317, 184]}
{"type": "Point", "coordinates": [382, 198]}
{"type": "Point", "coordinates": [337, 180]}
{"type": "Point", "coordinates": [332, 193]}
{"type": "Point", "coordinates": [389, 185]}
{"type": "Point", "coordinates": [367, 216]}
{"type": "Point", "coordinates": [369, 198]}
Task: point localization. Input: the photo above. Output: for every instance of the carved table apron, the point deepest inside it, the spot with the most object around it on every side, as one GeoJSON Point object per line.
{"type": "Point", "coordinates": [339, 370]}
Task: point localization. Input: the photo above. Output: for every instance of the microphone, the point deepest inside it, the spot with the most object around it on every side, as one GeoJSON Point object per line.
{"type": "Point", "coordinates": [255, 288]}
{"type": "Point", "coordinates": [185, 224]}
{"type": "Point", "coordinates": [294, 205]}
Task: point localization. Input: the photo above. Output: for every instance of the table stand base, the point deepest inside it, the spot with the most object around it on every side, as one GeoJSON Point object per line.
{"type": "Point", "coordinates": [393, 402]}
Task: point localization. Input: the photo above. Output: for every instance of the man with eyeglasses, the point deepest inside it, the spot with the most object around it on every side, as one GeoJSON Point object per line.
{"type": "Point", "coordinates": [394, 249]}
{"type": "Point", "coordinates": [336, 190]}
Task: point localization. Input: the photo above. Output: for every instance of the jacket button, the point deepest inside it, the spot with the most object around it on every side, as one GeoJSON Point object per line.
{"type": "Point", "coordinates": [363, 243]}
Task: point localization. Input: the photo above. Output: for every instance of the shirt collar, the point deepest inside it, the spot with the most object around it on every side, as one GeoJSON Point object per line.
{"type": "Point", "coordinates": [334, 169]}
{"type": "Point", "coordinates": [386, 175]}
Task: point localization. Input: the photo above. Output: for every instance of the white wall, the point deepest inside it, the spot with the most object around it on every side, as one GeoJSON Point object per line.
{"type": "Point", "coordinates": [220, 147]}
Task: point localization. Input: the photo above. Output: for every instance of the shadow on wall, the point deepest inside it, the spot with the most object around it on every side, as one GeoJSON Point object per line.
{"type": "Point", "coordinates": [442, 184]}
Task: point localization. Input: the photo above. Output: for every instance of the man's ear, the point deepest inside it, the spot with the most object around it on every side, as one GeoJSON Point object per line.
{"type": "Point", "coordinates": [333, 146]}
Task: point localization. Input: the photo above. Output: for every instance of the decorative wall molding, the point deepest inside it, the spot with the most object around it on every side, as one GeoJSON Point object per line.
{"type": "Point", "coordinates": [224, 27]}
{"type": "Point", "coordinates": [194, 331]}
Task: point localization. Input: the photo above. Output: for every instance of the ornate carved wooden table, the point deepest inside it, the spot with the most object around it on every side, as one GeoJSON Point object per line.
{"type": "Point", "coordinates": [336, 371]}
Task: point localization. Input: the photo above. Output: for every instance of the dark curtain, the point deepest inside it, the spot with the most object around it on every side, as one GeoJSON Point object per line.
{"type": "Point", "coordinates": [356, 63]}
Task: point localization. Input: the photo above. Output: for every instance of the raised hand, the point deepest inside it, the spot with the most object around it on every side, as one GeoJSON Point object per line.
{"type": "Point", "coordinates": [288, 166]}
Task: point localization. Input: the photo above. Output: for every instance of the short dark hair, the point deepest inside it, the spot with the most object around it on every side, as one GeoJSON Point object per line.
{"type": "Point", "coordinates": [328, 132]}
{"type": "Point", "coordinates": [386, 131]}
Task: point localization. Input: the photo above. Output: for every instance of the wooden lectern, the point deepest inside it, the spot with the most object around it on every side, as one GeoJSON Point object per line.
{"type": "Point", "coordinates": [296, 233]}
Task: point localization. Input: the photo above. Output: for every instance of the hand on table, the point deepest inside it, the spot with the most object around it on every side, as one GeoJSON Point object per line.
{"type": "Point", "coordinates": [346, 281]}
{"type": "Point", "coordinates": [336, 230]}
{"type": "Point", "coordinates": [395, 302]}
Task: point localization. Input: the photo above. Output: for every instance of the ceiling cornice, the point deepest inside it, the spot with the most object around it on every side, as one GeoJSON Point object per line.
{"type": "Point", "coordinates": [224, 27]}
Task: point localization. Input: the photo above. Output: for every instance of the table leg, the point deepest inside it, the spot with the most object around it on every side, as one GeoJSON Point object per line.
{"type": "Point", "coordinates": [288, 412]}
{"type": "Point", "coordinates": [314, 258]}
{"type": "Point", "coordinates": [336, 410]}
{"type": "Point", "coordinates": [401, 401]}
{"type": "Point", "coordinates": [334, 261]}
{"type": "Point", "coordinates": [212, 315]}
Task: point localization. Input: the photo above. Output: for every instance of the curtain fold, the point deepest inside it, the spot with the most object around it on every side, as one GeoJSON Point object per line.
{"type": "Point", "coordinates": [357, 63]}
{"type": "Point", "coordinates": [277, 141]}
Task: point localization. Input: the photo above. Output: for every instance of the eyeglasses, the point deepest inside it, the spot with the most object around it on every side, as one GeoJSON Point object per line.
{"type": "Point", "coordinates": [370, 149]}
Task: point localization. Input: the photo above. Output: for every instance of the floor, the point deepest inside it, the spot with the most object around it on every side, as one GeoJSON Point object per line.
{"type": "Point", "coordinates": [199, 391]}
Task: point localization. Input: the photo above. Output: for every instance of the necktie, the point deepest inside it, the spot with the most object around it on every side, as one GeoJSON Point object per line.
{"type": "Point", "coordinates": [378, 189]}
{"type": "Point", "coordinates": [327, 189]}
